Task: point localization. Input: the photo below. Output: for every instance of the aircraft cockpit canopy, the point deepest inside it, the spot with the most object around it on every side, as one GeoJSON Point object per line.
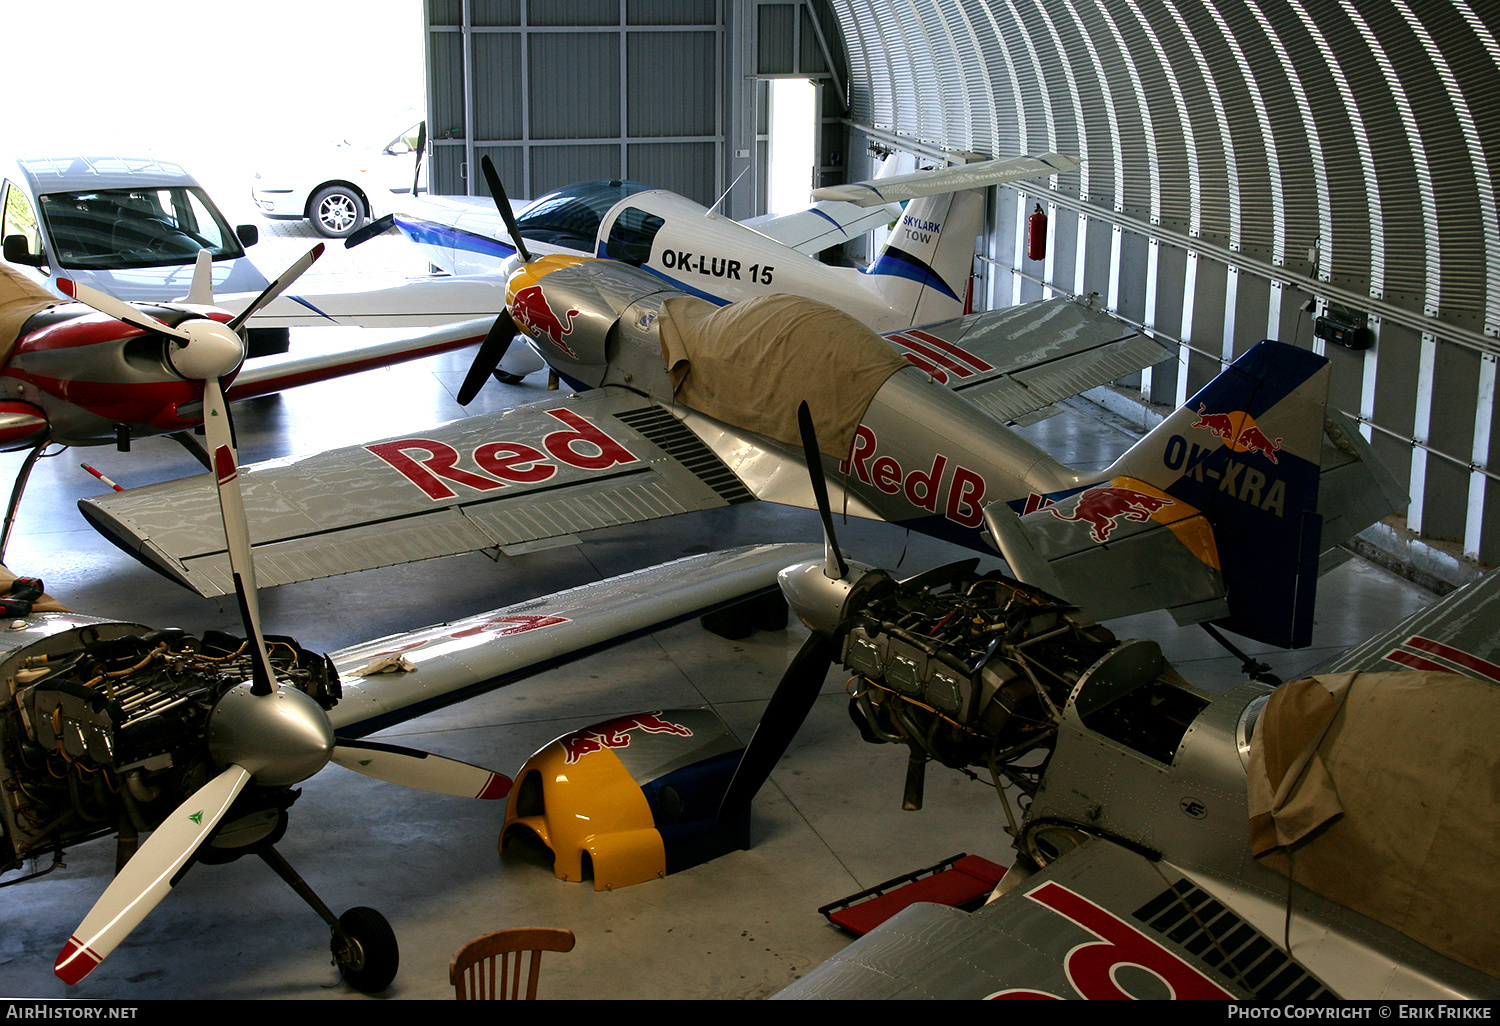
{"type": "Point", "coordinates": [571, 216]}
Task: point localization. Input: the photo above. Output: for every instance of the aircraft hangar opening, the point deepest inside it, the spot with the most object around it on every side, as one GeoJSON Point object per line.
{"type": "Point", "coordinates": [1092, 402]}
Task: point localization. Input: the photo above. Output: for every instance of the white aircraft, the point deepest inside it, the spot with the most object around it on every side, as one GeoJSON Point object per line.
{"type": "Point", "coordinates": [920, 275]}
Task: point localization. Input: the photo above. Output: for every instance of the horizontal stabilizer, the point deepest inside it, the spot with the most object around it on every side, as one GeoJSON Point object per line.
{"type": "Point", "coordinates": [1155, 551]}
{"type": "Point", "coordinates": [879, 191]}
{"type": "Point", "coordinates": [1020, 359]}
{"type": "Point", "coordinates": [822, 225]}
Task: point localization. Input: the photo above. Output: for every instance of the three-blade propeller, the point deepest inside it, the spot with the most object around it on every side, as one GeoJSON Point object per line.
{"type": "Point", "coordinates": [265, 734]}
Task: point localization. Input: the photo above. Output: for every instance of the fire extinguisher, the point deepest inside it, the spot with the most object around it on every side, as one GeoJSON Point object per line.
{"type": "Point", "coordinates": [1036, 234]}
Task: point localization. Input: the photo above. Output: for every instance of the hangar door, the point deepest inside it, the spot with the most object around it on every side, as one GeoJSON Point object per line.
{"type": "Point", "coordinates": [565, 91]}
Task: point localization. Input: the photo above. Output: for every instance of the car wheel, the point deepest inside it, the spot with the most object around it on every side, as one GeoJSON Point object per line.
{"type": "Point", "coordinates": [337, 212]}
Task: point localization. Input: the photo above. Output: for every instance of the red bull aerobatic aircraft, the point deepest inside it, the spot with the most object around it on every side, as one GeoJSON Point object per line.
{"type": "Point", "coordinates": [684, 405]}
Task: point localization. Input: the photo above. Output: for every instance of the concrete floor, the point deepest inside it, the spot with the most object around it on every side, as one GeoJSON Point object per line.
{"type": "Point", "coordinates": [828, 824]}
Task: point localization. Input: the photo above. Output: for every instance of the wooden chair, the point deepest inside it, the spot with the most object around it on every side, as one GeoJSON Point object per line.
{"type": "Point", "coordinates": [473, 970]}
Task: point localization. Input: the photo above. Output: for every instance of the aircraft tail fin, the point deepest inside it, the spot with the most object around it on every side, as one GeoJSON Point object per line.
{"type": "Point", "coordinates": [925, 264]}
{"type": "Point", "coordinates": [1214, 515]}
{"type": "Point", "coordinates": [1247, 451]}
{"type": "Point", "coordinates": [926, 261]}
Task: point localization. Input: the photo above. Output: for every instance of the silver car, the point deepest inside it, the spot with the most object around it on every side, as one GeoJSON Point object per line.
{"type": "Point", "coordinates": [128, 226]}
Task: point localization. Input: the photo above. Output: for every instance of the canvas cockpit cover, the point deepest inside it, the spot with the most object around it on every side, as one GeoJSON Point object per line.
{"type": "Point", "coordinates": [1381, 791]}
{"type": "Point", "coordinates": [20, 300]}
{"type": "Point", "coordinates": [750, 364]}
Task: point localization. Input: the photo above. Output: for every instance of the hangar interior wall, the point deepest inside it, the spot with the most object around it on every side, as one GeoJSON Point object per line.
{"type": "Point", "coordinates": [1243, 161]}
{"type": "Point", "coordinates": [562, 91]}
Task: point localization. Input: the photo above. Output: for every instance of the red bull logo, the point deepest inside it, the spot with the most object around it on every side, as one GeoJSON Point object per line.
{"type": "Point", "coordinates": [531, 311]}
{"type": "Point", "coordinates": [1240, 431]}
{"type": "Point", "coordinates": [1103, 509]}
{"type": "Point", "coordinates": [616, 734]}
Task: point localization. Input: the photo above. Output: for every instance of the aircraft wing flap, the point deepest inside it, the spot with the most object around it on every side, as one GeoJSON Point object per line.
{"type": "Point", "coordinates": [537, 472]}
{"type": "Point", "coordinates": [1020, 359]}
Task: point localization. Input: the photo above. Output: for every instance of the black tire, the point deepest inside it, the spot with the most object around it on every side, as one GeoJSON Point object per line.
{"type": "Point", "coordinates": [267, 341]}
{"type": "Point", "coordinates": [336, 212]}
{"type": "Point", "coordinates": [370, 957]}
{"type": "Point", "coordinates": [731, 624]}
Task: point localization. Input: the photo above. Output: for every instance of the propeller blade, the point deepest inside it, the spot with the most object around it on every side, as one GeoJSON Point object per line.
{"type": "Point", "coordinates": [422, 770]}
{"type": "Point", "coordinates": [118, 309]}
{"type": "Point", "coordinates": [148, 876]}
{"type": "Point", "coordinates": [201, 292]}
{"type": "Point", "coordinates": [789, 706]}
{"type": "Point", "coordinates": [497, 190]}
{"type": "Point", "coordinates": [278, 286]}
{"type": "Point", "coordinates": [491, 351]}
{"type": "Point", "coordinates": [835, 567]}
{"type": "Point", "coordinates": [421, 148]}
{"type": "Point", "coordinates": [220, 437]}
{"type": "Point", "coordinates": [376, 227]}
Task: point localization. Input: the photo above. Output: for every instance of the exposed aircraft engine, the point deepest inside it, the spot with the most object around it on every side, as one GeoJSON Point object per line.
{"type": "Point", "coordinates": [107, 728]}
{"type": "Point", "coordinates": [968, 670]}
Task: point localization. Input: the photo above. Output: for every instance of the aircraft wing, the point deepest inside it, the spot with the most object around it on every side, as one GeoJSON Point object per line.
{"type": "Point", "coordinates": [378, 301]}
{"type": "Point", "coordinates": [978, 175]}
{"type": "Point", "coordinates": [450, 662]}
{"type": "Point", "coordinates": [1100, 922]}
{"type": "Point", "coordinates": [275, 374]}
{"type": "Point", "coordinates": [1019, 359]}
{"type": "Point", "coordinates": [1459, 634]}
{"type": "Point", "coordinates": [537, 472]}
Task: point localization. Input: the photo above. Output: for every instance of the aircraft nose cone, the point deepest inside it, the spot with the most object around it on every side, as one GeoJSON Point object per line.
{"type": "Point", "coordinates": [212, 350]}
{"type": "Point", "coordinates": [279, 738]}
{"type": "Point", "coordinates": [819, 602]}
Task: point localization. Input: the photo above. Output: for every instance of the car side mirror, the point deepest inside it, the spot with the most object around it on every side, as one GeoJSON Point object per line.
{"type": "Point", "coordinates": [18, 251]}
{"type": "Point", "coordinates": [248, 234]}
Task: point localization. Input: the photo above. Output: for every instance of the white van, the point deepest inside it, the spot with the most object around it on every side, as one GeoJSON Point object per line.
{"type": "Point", "coordinates": [128, 226]}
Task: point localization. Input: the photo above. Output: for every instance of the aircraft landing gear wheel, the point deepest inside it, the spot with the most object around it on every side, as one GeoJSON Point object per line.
{"type": "Point", "coordinates": [366, 955]}
{"type": "Point", "coordinates": [506, 378]}
{"type": "Point", "coordinates": [336, 212]}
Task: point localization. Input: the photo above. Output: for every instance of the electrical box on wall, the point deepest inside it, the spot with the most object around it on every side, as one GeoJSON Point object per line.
{"type": "Point", "coordinates": [1347, 330]}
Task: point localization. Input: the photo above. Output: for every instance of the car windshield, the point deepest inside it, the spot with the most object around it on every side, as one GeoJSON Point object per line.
{"type": "Point", "coordinates": [570, 217]}
{"type": "Point", "coordinates": [111, 229]}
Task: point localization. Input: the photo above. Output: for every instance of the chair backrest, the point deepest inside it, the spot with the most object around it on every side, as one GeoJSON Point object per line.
{"type": "Point", "coordinates": [490, 966]}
